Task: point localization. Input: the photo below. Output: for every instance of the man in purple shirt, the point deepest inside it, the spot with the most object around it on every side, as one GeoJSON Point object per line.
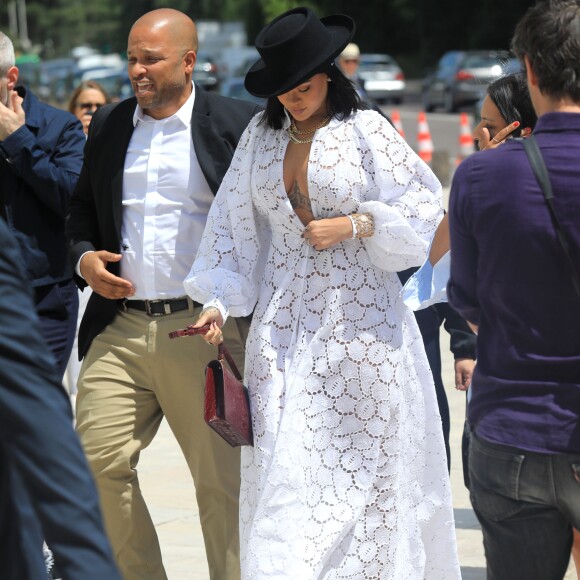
{"type": "Point", "coordinates": [511, 279]}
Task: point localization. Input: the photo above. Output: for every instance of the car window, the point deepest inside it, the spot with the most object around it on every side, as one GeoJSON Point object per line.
{"type": "Point", "coordinates": [376, 64]}
{"type": "Point", "coordinates": [480, 61]}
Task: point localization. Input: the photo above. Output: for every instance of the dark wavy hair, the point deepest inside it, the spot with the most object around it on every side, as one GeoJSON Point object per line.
{"type": "Point", "coordinates": [512, 98]}
{"type": "Point", "coordinates": [549, 35]}
{"type": "Point", "coordinates": [342, 100]}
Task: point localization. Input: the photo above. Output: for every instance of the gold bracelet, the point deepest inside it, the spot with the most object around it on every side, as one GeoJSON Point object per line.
{"type": "Point", "coordinates": [364, 225]}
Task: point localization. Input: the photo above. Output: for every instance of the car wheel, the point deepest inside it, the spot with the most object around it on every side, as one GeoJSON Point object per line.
{"type": "Point", "coordinates": [427, 104]}
{"type": "Point", "coordinates": [397, 100]}
{"type": "Point", "coordinates": [448, 102]}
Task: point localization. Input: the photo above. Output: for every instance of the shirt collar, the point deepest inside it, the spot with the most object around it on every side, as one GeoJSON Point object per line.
{"type": "Point", "coordinates": [184, 113]}
{"type": "Point", "coordinates": [557, 121]}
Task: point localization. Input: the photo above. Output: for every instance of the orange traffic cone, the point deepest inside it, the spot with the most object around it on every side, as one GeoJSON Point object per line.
{"type": "Point", "coordinates": [424, 142]}
{"type": "Point", "coordinates": [396, 119]}
{"type": "Point", "coordinates": [465, 138]}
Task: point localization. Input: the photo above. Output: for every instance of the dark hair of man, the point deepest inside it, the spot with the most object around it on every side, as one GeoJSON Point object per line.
{"type": "Point", "coordinates": [342, 100]}
{"type": "Point", "coordinates": [512, 98]}
{"type": "Point", "coordinates": [549, 35]}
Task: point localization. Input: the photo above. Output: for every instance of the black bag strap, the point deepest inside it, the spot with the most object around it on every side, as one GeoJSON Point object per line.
{"type": "Point", "coordinates": [541, 172]}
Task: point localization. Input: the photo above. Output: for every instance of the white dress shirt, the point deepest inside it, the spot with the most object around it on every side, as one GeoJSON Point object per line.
{"type": "Point", "coordinates": [166, 199]}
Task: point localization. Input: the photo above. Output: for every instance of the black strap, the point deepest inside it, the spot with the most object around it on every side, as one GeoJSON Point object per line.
{"type": "Point", "coordinates": [541, 172]}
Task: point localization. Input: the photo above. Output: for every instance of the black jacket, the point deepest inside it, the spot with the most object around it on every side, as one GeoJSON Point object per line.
{"type": "Point", "coordinates": [94, 220]}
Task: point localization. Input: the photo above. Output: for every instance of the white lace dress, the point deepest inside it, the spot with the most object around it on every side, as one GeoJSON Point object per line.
{"type": "Point", "coordinates": [348, 477]}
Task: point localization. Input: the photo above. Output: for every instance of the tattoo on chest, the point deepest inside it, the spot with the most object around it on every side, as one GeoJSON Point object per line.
{"type": "Point", "coordinates": [299, 200]}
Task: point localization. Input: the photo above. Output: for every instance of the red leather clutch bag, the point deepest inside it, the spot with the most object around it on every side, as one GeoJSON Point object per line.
{"type": "Point", "coordinates": [227, 406]}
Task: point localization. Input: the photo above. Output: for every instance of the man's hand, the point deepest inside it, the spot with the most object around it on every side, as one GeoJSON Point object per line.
{"type": "Point", "coordinates": [93, 269]}
{"type": "Point", "coordinates": [12, 117]}
{"type": "Point", "coordinates": [463, 373]}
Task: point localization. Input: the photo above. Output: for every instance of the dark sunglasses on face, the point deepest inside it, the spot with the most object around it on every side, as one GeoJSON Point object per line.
{"type": "Point", "coordinates": [89, 105]}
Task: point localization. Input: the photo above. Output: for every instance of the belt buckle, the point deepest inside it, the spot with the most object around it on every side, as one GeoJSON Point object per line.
{"type": "Point", "coordinates": [149, 312]}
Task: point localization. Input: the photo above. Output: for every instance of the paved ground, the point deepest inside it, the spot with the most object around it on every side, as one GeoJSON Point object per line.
{"type": "Point", "coordinates": [170, 493]}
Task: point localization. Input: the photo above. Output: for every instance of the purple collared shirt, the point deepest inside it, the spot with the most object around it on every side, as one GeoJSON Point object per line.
{"type": "Point", "coordinates": [510, 276]}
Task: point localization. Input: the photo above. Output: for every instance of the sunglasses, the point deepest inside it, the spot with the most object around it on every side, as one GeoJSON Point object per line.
{"type": "Point", "coordinates": [89, 105]}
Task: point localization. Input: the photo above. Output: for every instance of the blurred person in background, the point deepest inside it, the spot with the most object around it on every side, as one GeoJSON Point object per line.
{"type": "Point", "coordinates": [348, 61]}
{"type": "Point", "coordinates": [515, 278]}
{"type": "Point", "coordinates": [41, 155]}
{"type": "Point", "coordinates": [85, 100]}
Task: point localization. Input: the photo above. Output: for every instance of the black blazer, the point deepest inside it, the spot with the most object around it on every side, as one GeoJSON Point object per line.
{"type": "Point", "coordinates": [95, 210]}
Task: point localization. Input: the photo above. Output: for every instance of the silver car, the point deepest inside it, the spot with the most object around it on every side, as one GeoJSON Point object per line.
{"type": "Point", "coordinates": [462, 78]}
{"type": "Point", "coordinates": [382, 78]}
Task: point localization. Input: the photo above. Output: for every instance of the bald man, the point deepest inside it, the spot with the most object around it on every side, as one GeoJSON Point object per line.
{"type": "Point", "coordinates": [153, 164]}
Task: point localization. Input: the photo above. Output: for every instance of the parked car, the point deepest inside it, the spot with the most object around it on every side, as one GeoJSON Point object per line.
{"type": "Point", "coordinates": [205, 72]}
{"type": "Point", "coordinates": [234, 87]}
{"type": "Point", "coordinates": [461, 78]}
{"type": "Point", "coordinates": [513, 65]}
{"type": "Point", "coordinates": [56, 80]}
{"type": "Point", "coordinates": [115, 81]}
{"type": "Point", "coordinates": [383, 79]}
{"type": "Point", "coordinates": [234, 61]}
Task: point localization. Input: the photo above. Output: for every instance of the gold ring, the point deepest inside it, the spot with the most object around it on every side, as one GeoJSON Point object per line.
{"type": "Point", "coordinates": [495, 140]}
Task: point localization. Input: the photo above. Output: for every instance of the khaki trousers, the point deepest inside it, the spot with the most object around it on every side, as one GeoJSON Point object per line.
{"type": "Point", "coordinates": [132, 376]}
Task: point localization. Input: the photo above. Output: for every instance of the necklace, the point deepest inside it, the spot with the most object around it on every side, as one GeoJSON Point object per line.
{"type": "Point", "coordinates": [293, 131]}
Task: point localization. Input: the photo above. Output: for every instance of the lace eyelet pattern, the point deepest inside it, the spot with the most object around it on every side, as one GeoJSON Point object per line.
{"type": "Point", "coordinates": [347, 479]}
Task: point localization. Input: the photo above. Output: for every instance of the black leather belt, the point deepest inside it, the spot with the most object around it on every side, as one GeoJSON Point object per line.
{"type": "Point", "coordinates": [159, 307]}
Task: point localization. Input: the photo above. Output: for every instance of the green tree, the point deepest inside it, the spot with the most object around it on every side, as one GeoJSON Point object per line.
{"type": "Point", "coordinates": [419, 30]}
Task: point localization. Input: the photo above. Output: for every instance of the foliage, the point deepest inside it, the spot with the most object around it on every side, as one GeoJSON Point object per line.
{"type": "Point", "coordinates": [421, 29]}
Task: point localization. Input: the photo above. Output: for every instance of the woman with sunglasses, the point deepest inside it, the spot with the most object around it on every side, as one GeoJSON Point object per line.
{"type": "Point", "coordinates": [85, 100]}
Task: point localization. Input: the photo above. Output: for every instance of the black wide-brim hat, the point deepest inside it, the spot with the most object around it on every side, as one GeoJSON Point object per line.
{"type": "Point", "coordinates": [294, 47]}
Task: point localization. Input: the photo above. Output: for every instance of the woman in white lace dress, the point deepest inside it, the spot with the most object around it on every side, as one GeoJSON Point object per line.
{"type": "Point", "coordinates": [322, 205]}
